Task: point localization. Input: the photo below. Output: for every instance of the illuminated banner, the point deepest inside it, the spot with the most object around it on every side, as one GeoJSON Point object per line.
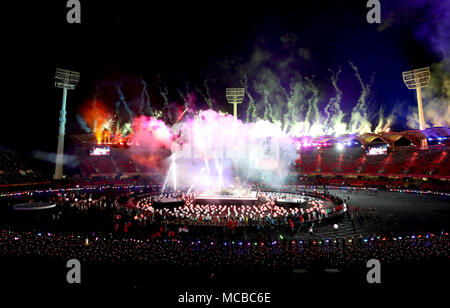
{"type": "Point", "coordinates": [100, 151]}
{"type": "Point", "coordinates": [379, 150]}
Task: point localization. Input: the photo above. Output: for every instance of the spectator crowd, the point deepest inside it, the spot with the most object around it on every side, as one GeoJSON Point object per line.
{"type": "Point", "coordinates": [262, 255]}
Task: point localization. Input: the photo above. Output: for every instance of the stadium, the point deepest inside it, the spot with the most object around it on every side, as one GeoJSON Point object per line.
{"type": "Point", "coordinates": [337, 192]}
{"type": "Point", "coordinates": [297, 185]}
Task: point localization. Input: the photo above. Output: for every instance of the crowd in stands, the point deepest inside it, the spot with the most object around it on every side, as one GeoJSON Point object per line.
{"type": "Point", "coordinates": [110, 226]}
{"type": "Point", "coordinates": [401, 164]}
{"type": "Point", "coordinates": [435, 161]}
{"type": "Point", "coordinates": [118, 163]}
{"type": "Point", "coordinates": [284, 255]}
{"type": "Point", "coordinates": [401, 161]}
{"type": "Point", "coordinates": [383, 183]}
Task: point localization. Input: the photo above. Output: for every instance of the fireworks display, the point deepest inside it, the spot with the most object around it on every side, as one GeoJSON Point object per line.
{"type": "Point", "coordinates": [226, 152]}
{"type": "Point", "coordinates": [214, 145]}
{"type": "Point", "coordinates": [289, 102]}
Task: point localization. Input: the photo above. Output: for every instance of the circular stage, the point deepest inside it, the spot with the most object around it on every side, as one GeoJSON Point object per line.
{"type": "Point", "coordinates": [33, 206]}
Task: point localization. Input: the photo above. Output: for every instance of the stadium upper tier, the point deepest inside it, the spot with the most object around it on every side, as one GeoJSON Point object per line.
{"type": "Point", "coordinates": [401, 161]}
{"type": "Point", "coordinates": [408, 153]}
{"type": "Point", "coordinates": [433, 162]}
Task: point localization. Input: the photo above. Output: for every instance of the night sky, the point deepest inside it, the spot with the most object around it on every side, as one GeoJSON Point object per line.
{"type": "Point", "coordinates": [174, 44]}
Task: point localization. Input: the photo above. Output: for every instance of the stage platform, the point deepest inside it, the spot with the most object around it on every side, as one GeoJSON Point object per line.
{"type": "Point", "coordinates": [297, 202]}
{"type": "Point", "coordinates": [167, 202]}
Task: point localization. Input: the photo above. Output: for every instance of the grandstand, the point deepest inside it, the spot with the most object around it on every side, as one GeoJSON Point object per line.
{"type": "Point", "coordinates": [119, 161]}
{"type": "Point", "coordinates": [411, 161]}
{"type": "Point", "coordinates": [327, 157]}
{"type": "Point", "coordinates": [348, 156]}
{"type": "Point", "coordinates": [403, 157]}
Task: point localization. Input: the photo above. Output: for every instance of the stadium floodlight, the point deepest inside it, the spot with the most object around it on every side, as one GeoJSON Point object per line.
{"type": "Point", "coordinates": [418, 79]}
{"type": "Point", "coordinates": [67, 80]}
{"type": "Point", "coordinates": [235, 96]}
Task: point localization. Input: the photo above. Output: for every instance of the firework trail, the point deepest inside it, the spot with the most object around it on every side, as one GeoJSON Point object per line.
{"type": "Point", "coordinates": [94, 106]}
{"type": "Point", "coordinates": [267, 106]}
{"type": "Point", "coordinates": [312, 115]}
{"type": "Point", "coordinates": [208, 93]}
{"type": "Point", "coordinates": [333, 108]}
{"type": "Point", "coordinates": [123, 102]}
{"type": "Point", "coordinates": [383, 123]}
{"type": "Point", "coordinates": [289, 115]}
{"type": "Point", "coordinates": [274, 95]}
{"type": "Point", "coordinates": [145, 99]}
{"type": "Point", "coordinates": [206, 96]}
{"type": "Point", "coordinates": [261, 89]}
{"type": "Point", "coordinates": [251, 110]}
{"type": "Point", "coordinates": [83, 124]}
{"type": "Point", "coordinates": [295, 106]}
{"type": "Point", "coordinates": [358, 121]}
{"type": "Point", "coordinates": [141, 103]}
{"type": "Point", "coordinates": [164, 93]}
{"type": "Point", "coordinates": [186, 98]}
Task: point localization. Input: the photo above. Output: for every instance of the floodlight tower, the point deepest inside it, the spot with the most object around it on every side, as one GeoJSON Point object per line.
{"type": "Point", "coordinates": [418, 79]}
{"type": "Point", "coordinates": [67, 80]}
{"type": "Point", "coordinates": [235, 96]}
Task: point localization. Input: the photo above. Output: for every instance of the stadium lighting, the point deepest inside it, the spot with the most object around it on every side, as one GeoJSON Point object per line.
{"type": "Point", "coordinates": [418, 79]}
{"type": "Point", "coordinates": [67, 80]}
{"type": "Point", "coordinates": [235, 96]}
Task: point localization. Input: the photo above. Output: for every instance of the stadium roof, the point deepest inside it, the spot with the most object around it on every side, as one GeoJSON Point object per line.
{"type": "Point", "coordinates": [438, 131]}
